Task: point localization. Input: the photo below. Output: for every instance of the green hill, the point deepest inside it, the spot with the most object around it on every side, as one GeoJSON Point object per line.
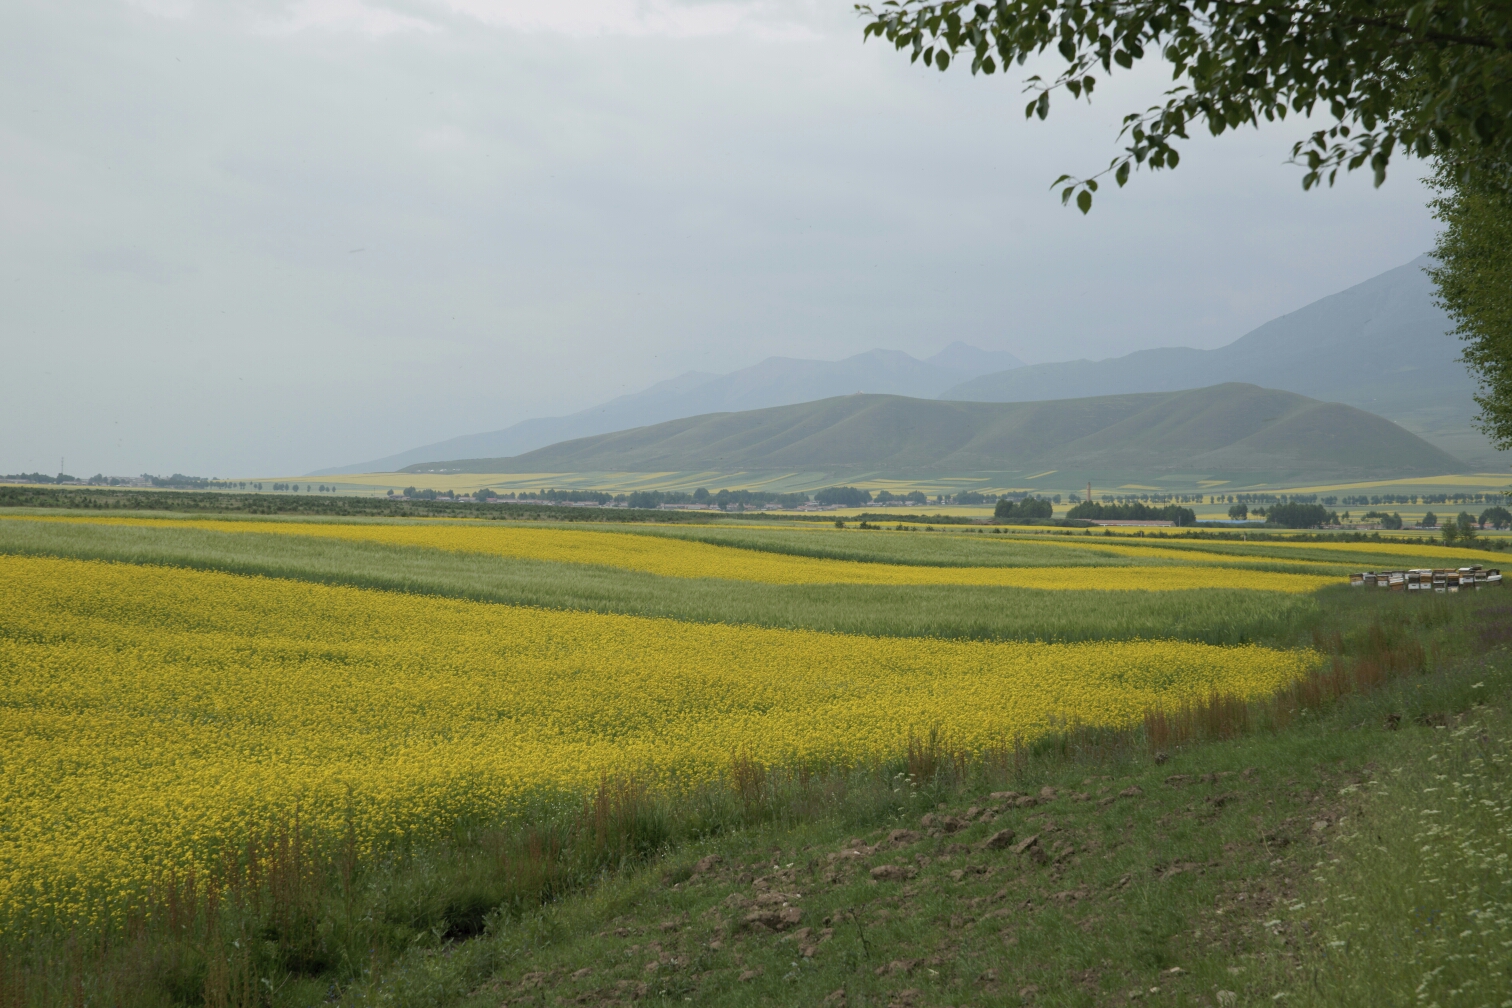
{"type": "Point", "coordinates": [1232, 428]}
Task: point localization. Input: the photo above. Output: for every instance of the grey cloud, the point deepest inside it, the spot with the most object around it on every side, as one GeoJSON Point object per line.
{"type": "Point", "coordinates": [554, 215]}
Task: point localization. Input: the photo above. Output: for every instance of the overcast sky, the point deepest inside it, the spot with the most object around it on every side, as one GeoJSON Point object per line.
{"type": "Point", "coordinates": [260, 238]}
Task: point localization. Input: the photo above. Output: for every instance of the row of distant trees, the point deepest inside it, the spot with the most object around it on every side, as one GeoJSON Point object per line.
{"type": "Point", "coordinates": [100, 479]}
{"type": "Point", "coordinates": [725, 499]}
{"type": "Point", "coordinates": [1135, 511]}
{"type": "Point", "coordinates": [1360, 500]}
{"type": "Point", "coordinates": [1462, 526]}
{"type": "Point", "coordinates": [855, 497]}
{"type": "Point", "coordinates": [1497, 517]}
{"type": "Point", "coordinates": [1289, 514]}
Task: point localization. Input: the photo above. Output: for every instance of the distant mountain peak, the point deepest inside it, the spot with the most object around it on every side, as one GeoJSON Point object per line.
{"type": "Point", "coordinates": [1381, 345]}
{"type": "Point", "coordinates": [775, 381]}
{"type": "Point", "coordinates": [973, 360]}
{"type": "Point", "coordinates": [1230, 429]}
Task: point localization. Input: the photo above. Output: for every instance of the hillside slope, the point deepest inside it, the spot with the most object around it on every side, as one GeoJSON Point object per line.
{"type": "Point", "coordinates": [776, 381]}
{"type": "Point", "coordinates": [1382, 345]}
{"type": "Point", "coordinates": [1231, 428]}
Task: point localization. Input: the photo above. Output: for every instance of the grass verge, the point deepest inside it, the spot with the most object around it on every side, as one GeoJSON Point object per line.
{"type": "Point", "coordinates": [1187, 882]}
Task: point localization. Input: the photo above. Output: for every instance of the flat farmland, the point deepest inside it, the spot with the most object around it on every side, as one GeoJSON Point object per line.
{"type": "Point", "coordinates": [179, 692]}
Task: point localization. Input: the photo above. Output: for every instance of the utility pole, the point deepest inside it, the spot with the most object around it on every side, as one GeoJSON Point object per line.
{"type": "Point", "coordinates": [1089, 490]}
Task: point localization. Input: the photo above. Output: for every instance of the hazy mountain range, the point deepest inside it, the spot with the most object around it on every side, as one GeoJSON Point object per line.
{"type": "Point", "coordinates": [1382, 346]}
{"type": "Point", "coordinates": [776, 381]}
{"type": "Point", "coordinates": [1228, 429]}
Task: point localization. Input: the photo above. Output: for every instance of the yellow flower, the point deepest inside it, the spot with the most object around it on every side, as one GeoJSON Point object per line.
{"type": "Point", "coordinates": [151, 718]}
{"type": "Point", "coordinates": [680, 558]}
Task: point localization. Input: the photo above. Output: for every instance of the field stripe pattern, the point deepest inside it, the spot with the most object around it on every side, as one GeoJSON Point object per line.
{"type": "Point", "coordinates": [669, 557]}
{"type": "Point", "coordinates": [153, 715]}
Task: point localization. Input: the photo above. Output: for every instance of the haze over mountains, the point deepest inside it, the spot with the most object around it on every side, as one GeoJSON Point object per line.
{"type": "Point", "coordinates": [1382, 346]}
{"type": "Point", "coordinates": [776, 381]}
{"type": "Point", "coordinates": [1224, 431]}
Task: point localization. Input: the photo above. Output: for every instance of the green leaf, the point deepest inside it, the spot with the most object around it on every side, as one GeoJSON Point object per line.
{"type": "Point", "coordinates": [1084, 201]}
{"type": "Point", "coordinates": [1240, 61]}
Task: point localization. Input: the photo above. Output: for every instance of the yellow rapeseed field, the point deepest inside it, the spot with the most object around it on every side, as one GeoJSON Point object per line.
{"type": "Point", "coordinates": [152, 716]}
{"type": "Point", "coordinates": [681, 558]}
{"type": "Point", "coordinates": [1198, 551]}
{"type": "Point", "coordinates": [1425, 550]}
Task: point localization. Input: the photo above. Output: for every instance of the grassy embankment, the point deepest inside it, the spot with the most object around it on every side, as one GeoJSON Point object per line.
{"type": "Point", "coordinates": [1331, 862]}
{"type": "Point", "coordinates": [1184, 875]}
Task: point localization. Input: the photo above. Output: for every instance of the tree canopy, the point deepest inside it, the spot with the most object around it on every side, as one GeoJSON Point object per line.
{"type": "Point", "coordinates": [1029, 507]}
{"type": "Point", "coordinates": [1498, 516]}
{"type": "Point", "coordinates": [1300, 516]}
{"type": "Point", "coordinates": [1424, 77]}
{"type": "Point", "coordinates": [845, 496]}
{"type": "Point", "coordinates": [1137, 511]}
{"type": "Point", "coordinates": [1474, 279]}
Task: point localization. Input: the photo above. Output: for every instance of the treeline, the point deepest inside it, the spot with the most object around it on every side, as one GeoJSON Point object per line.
{"type": "Point", "coordinates": [36, 477]}
{"type": "Point", "coordinates": [1464, 525]}
{"type": "Point", "coordinates": [722, 499]}
{"type": "Point", "coordinates": [841, 496]}
{"type": "Point", "coordinates": [179, 480]}
{"type": "Point", "coordinates": [1029, 507]}
{"type": "Point", "coordinates": [1145, 498]}
{"type": "Point", "coordinates": [1270, 498]}
{"type": "Point", "coordinates": [282, 487]}
{"type": "Point", "coordinates": [1300, 516]}
{"type": "Point", "coordinates": [100, 479]}
{"type": "Point", "coordinates": [847, 496]}
{"type": "Point", "coordinates": [645, 499]}
{"type": "Point", "coordinates": [107, 499]}
{"type": "Point", "coordinates": [1093, 511]}
{"type": "Point", "coordinates": [1393, 522]}
{"type": "Point", "coordinates": [1293, 514]}
{"type": "Point", "coordinates": [1443, 498]}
